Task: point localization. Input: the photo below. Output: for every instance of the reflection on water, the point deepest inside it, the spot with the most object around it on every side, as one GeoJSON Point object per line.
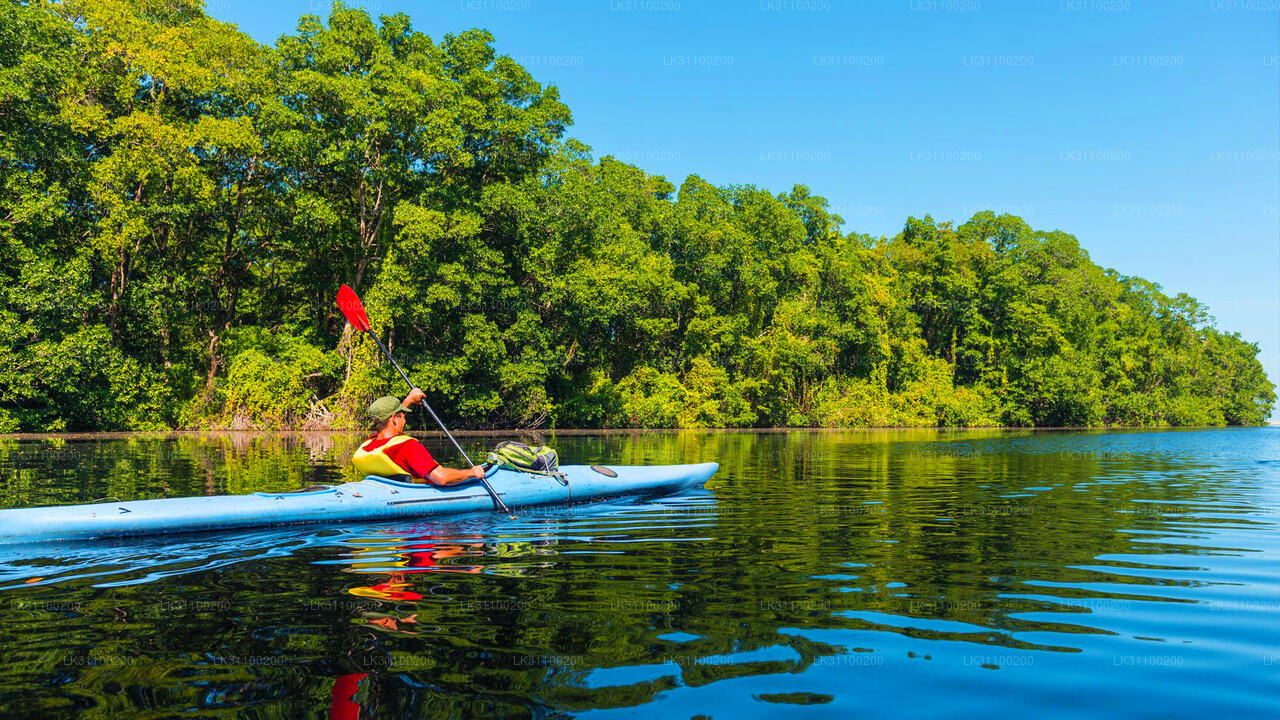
{"type": "Point", "coordinates": [916, 573]}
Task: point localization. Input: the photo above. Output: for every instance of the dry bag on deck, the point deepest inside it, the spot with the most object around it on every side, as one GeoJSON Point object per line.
{"type": "Point", "coordinates": [540, 460]}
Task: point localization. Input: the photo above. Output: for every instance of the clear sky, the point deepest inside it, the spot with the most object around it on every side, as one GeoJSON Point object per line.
{"type": "Point", "coordinates": [1149, 129]}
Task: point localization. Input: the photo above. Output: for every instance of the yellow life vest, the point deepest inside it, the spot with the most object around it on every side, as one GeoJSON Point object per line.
{"type": "Point", "coordinates": [376, 461]}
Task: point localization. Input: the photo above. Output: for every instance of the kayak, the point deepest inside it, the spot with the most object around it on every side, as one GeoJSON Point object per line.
{"type": "Point", "coordinates": [374, 498]}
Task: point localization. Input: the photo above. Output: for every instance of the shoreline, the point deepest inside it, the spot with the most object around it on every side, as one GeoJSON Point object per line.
{"type": "Point", "coordinates": [164, 434]}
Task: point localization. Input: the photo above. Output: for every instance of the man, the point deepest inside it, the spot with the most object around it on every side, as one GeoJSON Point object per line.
{"type": "Point", "coordinates": [391, 454]}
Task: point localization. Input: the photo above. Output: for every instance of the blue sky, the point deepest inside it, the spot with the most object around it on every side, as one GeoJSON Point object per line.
{"type": "Point", "coordinates": [1148, 129]}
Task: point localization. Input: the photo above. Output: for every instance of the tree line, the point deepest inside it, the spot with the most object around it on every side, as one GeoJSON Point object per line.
{"type": "Point", "coordinates": [181, 202]}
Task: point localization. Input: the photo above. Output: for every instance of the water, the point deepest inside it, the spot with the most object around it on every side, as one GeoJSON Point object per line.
{"type": "Point", "coordinates": [900, 573]}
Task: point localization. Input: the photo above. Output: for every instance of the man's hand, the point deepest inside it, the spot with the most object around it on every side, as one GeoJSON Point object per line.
{"type": "Point", "coordinates": [477, 471]}
{"type": "Point", "coordinates": [415, 396]}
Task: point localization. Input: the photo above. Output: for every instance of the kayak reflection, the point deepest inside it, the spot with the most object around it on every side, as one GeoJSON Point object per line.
{"type": "Point", "coordinates": [444, 546]}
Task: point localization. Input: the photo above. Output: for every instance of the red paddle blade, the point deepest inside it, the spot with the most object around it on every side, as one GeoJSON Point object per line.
{"type": "Point", "coordinates": [352, 309]}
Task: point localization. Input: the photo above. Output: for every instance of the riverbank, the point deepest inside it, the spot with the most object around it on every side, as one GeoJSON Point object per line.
{"type": "Point", "coordinates": [160, 434]}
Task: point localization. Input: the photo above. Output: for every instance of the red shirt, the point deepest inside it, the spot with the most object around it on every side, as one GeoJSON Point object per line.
{"type": "Point", "coordinates": [410, 455]}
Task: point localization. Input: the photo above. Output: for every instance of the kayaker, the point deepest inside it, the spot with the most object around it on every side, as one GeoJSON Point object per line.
{"type": "Point", "coordinates": [391, 454]}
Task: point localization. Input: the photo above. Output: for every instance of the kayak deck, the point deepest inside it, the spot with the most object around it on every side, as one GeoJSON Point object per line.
{"type": "Point", "coordinates": [374, 498]}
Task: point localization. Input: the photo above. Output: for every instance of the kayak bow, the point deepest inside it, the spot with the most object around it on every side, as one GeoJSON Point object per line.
{"type": "Point", "coordinates": [373, 498]}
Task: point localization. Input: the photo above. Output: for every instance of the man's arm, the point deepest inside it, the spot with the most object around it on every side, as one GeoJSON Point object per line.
{"type": "Point", "coordinates": [415, 396]}
{"type": "Point", "coordinates": [440, 475]}
{"type": "Point", "coordinates": [445, 476]}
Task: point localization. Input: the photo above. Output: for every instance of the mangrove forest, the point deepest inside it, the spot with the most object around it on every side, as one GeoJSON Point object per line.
{"type": "Point", "coordinates": [180, 203]}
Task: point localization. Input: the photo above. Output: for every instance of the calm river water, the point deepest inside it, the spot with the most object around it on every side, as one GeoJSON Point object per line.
{"type": "Point", "coordinates": [827, 574]}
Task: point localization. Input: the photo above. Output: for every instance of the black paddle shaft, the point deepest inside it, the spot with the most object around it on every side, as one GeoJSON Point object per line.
{"type": "Point", "coordinates": [492, 493]}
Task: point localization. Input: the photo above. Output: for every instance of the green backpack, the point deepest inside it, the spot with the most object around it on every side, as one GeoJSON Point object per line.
{"type": "Point", "coordinates": [540, 460]}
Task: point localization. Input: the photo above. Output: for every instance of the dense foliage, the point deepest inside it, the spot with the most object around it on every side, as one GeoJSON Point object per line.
{"type": "Point", "coordinates": [180, 204]}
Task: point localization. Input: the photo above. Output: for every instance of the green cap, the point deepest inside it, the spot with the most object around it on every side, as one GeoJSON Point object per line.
{"type": "Point", "coordinates": [384, 407]}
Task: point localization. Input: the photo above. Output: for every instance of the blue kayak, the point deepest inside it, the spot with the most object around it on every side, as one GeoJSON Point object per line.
{"type": "Point", "coordinates": [374, 498]}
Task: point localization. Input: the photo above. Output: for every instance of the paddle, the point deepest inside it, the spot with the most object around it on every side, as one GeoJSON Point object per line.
{"type": "Point", "coordinates": [351, 307]}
